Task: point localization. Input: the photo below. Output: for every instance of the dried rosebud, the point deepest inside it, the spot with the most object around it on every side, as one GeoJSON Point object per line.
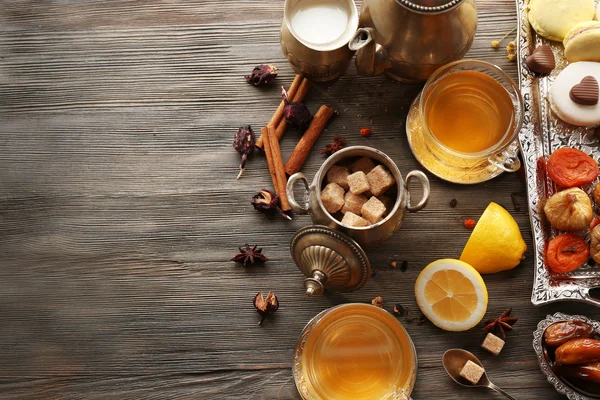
{"type": "Point", "coordinates": [266, 201]}
{"type": "Point", "coordinates": [265, 306]}
{"type": "Point", "coordinates": [377, 301]}
{"type": "Point", "coordinates": [243, 142]}
{"type": "Point", "coordinates": [262, 75]}
{"type": "Point", "coordinates": [295, 114]}
{"type": "Point", "coordinates": [249, 255]}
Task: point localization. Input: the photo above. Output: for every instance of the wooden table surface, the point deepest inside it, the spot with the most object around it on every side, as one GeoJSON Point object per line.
{"type": "Point", "coordinates": [119, 208]}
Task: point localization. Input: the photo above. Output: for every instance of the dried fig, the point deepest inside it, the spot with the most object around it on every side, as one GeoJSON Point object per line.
{"type": "Point", "coordinates": [595, 244]}
{"type": "Point", "coordinates": [597, 194]}
{"type": "Point", "coordinates": [569, 210]}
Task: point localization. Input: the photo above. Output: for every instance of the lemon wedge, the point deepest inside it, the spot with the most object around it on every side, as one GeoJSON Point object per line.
{"type": "Point", "coordinates": [451, 294]}
{"type": "Point", "coordinates": [496, 243]}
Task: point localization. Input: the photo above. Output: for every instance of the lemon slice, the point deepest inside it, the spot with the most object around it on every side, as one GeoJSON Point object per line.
{"type": "Point", "coordinates": [496, 243]}
{"type": "Point", "coordinates": [451, 294]}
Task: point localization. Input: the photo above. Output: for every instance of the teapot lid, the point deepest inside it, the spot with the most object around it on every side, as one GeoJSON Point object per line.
{"type": "Point", "coordinates": [429, 6]}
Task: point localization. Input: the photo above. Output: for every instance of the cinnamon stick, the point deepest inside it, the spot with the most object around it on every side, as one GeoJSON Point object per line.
{"type": "Point", "coordinates": [268, 153]}
{"type": "Point", "coordinates": [298, 97]}
{"type": "Point", "coordinates": [275, 151]}
{"type": "Point", "coordinates": [278, 116]}
{"type": "Point", "coordinates": [307, 141]}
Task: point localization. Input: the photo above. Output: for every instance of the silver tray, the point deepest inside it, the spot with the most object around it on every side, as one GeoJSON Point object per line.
{"type": "Point", "coordinates": [543, 133]}
{"type": "Point", "coordinates": [561, 386]}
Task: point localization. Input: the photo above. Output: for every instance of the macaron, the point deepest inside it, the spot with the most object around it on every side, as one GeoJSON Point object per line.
{"type": "Point", "coordinates": [598, 12]}
{"type": "Point", "coordinates": [582, 42]}
{"type": "Point", "coordinates": [552, 19]}
{"type": "Point", "coordinates": [564, 91]}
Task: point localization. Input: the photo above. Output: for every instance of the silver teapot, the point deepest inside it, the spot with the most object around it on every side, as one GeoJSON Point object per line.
{"type": "Point", "coordinates": [409, 39]}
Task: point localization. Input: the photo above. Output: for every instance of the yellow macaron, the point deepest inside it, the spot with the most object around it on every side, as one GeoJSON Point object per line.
{"type": "Point", "coordinates": [582, 42]}
{"type": "Point", "coordinates": [552, 19]}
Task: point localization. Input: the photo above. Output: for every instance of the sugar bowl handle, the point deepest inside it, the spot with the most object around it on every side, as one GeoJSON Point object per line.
{"type": "Point", "coordinates": [422, 178]}
{"type": "Point", "coordinates": [297, 208]}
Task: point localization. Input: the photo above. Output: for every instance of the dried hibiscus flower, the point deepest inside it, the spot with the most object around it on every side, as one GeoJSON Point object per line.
{"type": "Point", "coordinates": [265, 306]}
{"type": "Point", "coordinates": [262, 75]}
{"type": "Point", "coordinates": [337, 145]}
{"type": "Point", "coordinates": [266, 201]}
{"type": "Point", "coordinates": [249, 255]}
{"type": "Point", "coordinates": [295, 113]}
{"type": "Point", "coordinates": [243, 142]}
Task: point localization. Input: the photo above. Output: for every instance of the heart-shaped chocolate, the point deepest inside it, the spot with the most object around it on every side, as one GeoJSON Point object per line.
{"type": "Point", "coordinates": [586, 93]}
{"type": "Point", "coordinates": [541, 60]}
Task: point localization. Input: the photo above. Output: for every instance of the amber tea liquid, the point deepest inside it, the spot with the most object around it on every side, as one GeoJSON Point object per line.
{"type": "Point", "coordinates": [358, 352]}
{"type": "Point", "coordinates": [468, 111]}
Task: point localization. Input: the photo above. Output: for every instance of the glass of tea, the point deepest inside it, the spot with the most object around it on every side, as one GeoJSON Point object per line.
{"type": "Point", "coordinates": [355, 351]}
{"type": "Point", "coordinates": [464, 125]}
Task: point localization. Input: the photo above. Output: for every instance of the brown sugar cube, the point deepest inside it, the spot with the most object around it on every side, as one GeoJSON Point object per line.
{"type": "Point", "coordinates": [364, 164]}
{"type": "Point", "coordinates": [352, 219]}
{"type": "Point", "coordinates": [373, 210]}
{"type": "Point", "coordinates": [472, 372]}
{"type": "Point", "coordinates": [358, 182]}
{"type": "Point", "coordinates": [493, 344]}
{"type": "Point", "coordinates": [353, 203]}
{"type": "Point", "coordinates": [332, 197]}
{"type": "Point", "coordinates": [339, 175]}
{"type": "Point", "coordinates": [380, 180]}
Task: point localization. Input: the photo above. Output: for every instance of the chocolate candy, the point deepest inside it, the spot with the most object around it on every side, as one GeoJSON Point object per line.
{"type": "Point", "coordinates": [541, 60]}
{"type": "Point", "coordinates": [586, 93]}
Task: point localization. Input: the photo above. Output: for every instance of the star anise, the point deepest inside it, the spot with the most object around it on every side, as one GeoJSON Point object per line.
{"type": "Point", "coordinates": [249, 255]}
{"type": "Point", "coordinates": [504, 321]}
{"type": "Point", "coordinates": [337, 145]}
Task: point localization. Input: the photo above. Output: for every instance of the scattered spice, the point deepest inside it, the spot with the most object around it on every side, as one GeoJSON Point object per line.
{"type": "Point", "coordinates": [249, 255]}
{"type": "Point", "coordinates": [295, 113]}
{"type": "Point", "coordinates": [404, 266]}
{"type": "Point", "coordinates": [453, 203]}
{"type": "Point", "coordinates": [422, 319]}
{"type": "Point", "coordinates": [469, 223]}
{"type": "Point", "coordinates": [377, 301]}
{"type": "Point", "coordinates": [502, 323]}
{"type": "Point", "coordinates": [513, 198]}
{"type": "Point", "coordinates": [337, 145]}
{"type": "Point", "coordinates": [243, 143]}
{"type": "Point", "coordinates": [365, 132]}
{"type": "Point", "coordinates": [393, 264]}
{"type": "Point", "coordinates": [399, 309]}
{"type": "Point", "coordinates": [409, 318]}
{"type": "Point", "coordinates": [262, 75]}
{"type": "Point", "coordinates": [266, 201]}
{"type": "Point", "coordinates": [569, 250]}
{"type": "Point", "coordinates": [373, 273]}
{"type": "Point", "coordinates": [265, 306]}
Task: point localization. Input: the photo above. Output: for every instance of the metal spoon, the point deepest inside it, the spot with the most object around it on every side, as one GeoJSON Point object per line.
{"type": "Point", "coordinates": [455, 359]}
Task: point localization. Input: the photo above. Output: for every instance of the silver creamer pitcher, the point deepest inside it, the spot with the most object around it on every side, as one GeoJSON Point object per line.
{"type": "Point", "coordinates": [409, 39]}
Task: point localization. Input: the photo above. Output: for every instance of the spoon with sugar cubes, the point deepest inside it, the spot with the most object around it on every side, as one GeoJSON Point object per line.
{"type": "Point", "coordinates": [466, 370]}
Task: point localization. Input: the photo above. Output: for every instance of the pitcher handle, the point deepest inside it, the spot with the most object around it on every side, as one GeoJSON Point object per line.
{"type": "Point", "coordinates": [371, 59]}
{"type": "Point", "coordinates": [424, 181]}
{"type": "Point", "coordinates": [508, 160]}
{"type": "Point", "coordinates": [297, 208]}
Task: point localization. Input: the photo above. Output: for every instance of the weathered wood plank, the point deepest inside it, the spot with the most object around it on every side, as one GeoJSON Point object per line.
{"type": "Point", "coordinates": [119, 208]}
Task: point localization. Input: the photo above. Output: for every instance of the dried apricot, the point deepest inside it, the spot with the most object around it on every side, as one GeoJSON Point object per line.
{"type": "Point", "coordinates": [566, 253]}
{"type": "Point", "coordinates": [571, 167]}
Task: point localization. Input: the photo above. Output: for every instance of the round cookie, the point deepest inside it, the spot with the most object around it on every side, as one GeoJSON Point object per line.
{"type": "Point", "coordinates": [560, 99]}
{"type": "Point", "coordinates": [552, 19]}
{"type": "Point", "coordinates": [582, 42]}
{"type": "Point", "coordinates": [598, 12]}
